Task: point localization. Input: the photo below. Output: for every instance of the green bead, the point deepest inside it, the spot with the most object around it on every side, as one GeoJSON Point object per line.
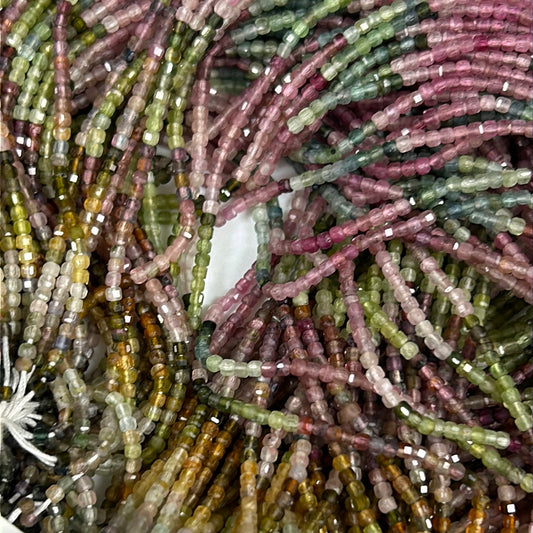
{"type": "Point", "coordinates": [452, 431]}
{"type": "Point", "coordinates": [374, 38]}
{"type": "Point", "coordinates": [491, 458]}
{"type": "Point", "coordinates": [505, 383]}
{"type": "Point", "coordinates": [17, 77]}
{"type": "Point", "coordinates": [291, 423]}
{"type": "Point", "coordinates": [497, 370]}
{"type": "Point", "coordinates": [94, 149]}
{"type": "Point", "coordinates": [427, 426]}
{"type": "Point", "coordinates": [332, 5]}
{"type": "Point", "coordinates": [150, 138]}
{"type": "Point", "coordinates": [213, 363]}
{"type": "Point", "coordinates": [262, 416]}
{"type": "Point", "coordinates": [301, 29]}
{"type": "Point", "coordinates": [409, 350]}
{"type": "Point", "coordinates": [466, 164]}
{"type": "Point", "coordinates": [372, 528]}
{"type": "Point", "coordinates": [276, 419]}
{"type": "Point", "coordinates": [526, 484]}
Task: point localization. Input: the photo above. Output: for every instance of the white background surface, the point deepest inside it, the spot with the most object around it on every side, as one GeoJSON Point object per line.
{"type": "Point", "coordinates": [235, 247]}
{"type": "Point", "coordinates": [7, 527]}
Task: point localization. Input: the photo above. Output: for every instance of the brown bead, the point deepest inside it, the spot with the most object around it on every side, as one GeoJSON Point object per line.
{"type": "Point", "coordinates": [399, 527]}
{"type": "Point", "coordinates": [23, 364]}
{"type": "Point", "coordinates": [326, 321]}
{"type": "Point", "coordinates": [421, 509]}
{"type": "Point", "coordinates": [410, 495]}
{"type": "Point", "coordinates": [331, 333]}
{"type": "Point", "coordinates": [157, 399]}
{"type": "Point", "coordinates": [26, 505]}
{"type": "Point", "coordinates": [366, 517]}
{"type": "Point", "coordinates": [6, 392]}
{"type": "Point", "coordinates": [392, 472]}
{"type": "Point", "coordinates": [441, 524]}
{"type": "Point", "coordinates": [291, 486]}
{"type": "Point", "coordinates": [301, 312]}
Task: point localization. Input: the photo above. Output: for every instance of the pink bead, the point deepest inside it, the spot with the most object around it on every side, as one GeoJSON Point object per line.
{"type": "Point", "coordinates": [138, 276]}
{"type": "Point", "coordinates": [380, 120]}
{"type": "Point", "coordinates": [422, 166]}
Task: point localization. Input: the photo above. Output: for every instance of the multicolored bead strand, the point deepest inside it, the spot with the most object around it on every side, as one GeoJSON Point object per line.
{"type": "Point", "coordinates": [367, 164]}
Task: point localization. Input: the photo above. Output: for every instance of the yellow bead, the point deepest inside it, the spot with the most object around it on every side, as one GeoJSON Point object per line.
{"type": "Point", "coordinates": [80, 262]}
{"type": "Point", "coordinates": [18, 212]}
{"type": "Point", "coordinates": [24, 241]}
{"type": "Point", "coordinates": [57, 243]}
{"type": "Point", "coordinates": [93, 205]}
{"type": "Point", "coordinates": [27, 256]}
{"type": "Point", "coordinates": [132, 451]}
{"type": "Point", "coordinates": [341, 462]}
{"type": "Point", "coordinates": [80, 276]}
{"type": "Point", "coordinates": [22, 227]}
{"type": "Point", "coordinates": [7, 243]}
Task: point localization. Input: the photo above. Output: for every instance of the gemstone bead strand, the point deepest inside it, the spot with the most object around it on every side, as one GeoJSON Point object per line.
{"type": "Point", "coordinates": [370, 367]}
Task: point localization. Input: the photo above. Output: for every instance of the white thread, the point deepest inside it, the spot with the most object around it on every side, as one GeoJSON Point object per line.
{"type": "Point", "coordinates": [6, 361]}
{"type": "Point", "coordinates": [19, 413]}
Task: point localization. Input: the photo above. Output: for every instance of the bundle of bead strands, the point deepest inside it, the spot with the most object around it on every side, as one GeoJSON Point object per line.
{"type": "Point", "coordinates": [372, 370]}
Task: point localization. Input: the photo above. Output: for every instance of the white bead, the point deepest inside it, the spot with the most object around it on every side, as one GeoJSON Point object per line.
{"type": "Point", "coordinates": [506, 493]}
{"type": "Point", "coordinates": [383, 386]}
{"type": "Point", "coordinates": [392, 399]}
{"type": "Point", "coordinates": [127, 423]}
{"type": "Point", "coordinates": [433, 340]}
{"type": "Point", "coordinates": [443, 351]}
{"type": "Point", "coordinates": [375, 373]}
{"type": "Point", "coordinates": [424, 328]}
{"type": "Point", "coordinates": [369, 359]}
{"type": "Point", "coordinates": [298, 473]}
{"type": "Point", "coordinates": [386, 505]}
{"type": "Point", "coordinates": [78, 290]}
{"type": "Point", "coordinates": [113, 294]}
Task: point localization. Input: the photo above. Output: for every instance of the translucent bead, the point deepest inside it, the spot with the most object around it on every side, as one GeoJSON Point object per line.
{"type": "Point", "coordinates": [114, 398]}
{"type": "Point", "coordinates": [55, 493]}
{"type": "Point", "coordinates": [132, 451]}
{"type": "Point", "coordinates": [87, 498]}
{"type": "Point", "coordinates": [123, 409]}
{"type": "Point", "coordinates": [74, 304]}
{"type": "Point", "coordinates": [213, 363]}
{"type": "Point", "coordinates": [298, 473]}
{"type": "Point", "coordinates": [227, 367]}
{"type": "Point", "coordinates": [386, 505]}
{"type": "Point", "coordinates": [526, 484]}
{"type": "Point", "coordinates": [113, 294]}
{"type": "Point", "coordinates": [241, 370]}
{"type": "Point", "coordinates": [254, 369]}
